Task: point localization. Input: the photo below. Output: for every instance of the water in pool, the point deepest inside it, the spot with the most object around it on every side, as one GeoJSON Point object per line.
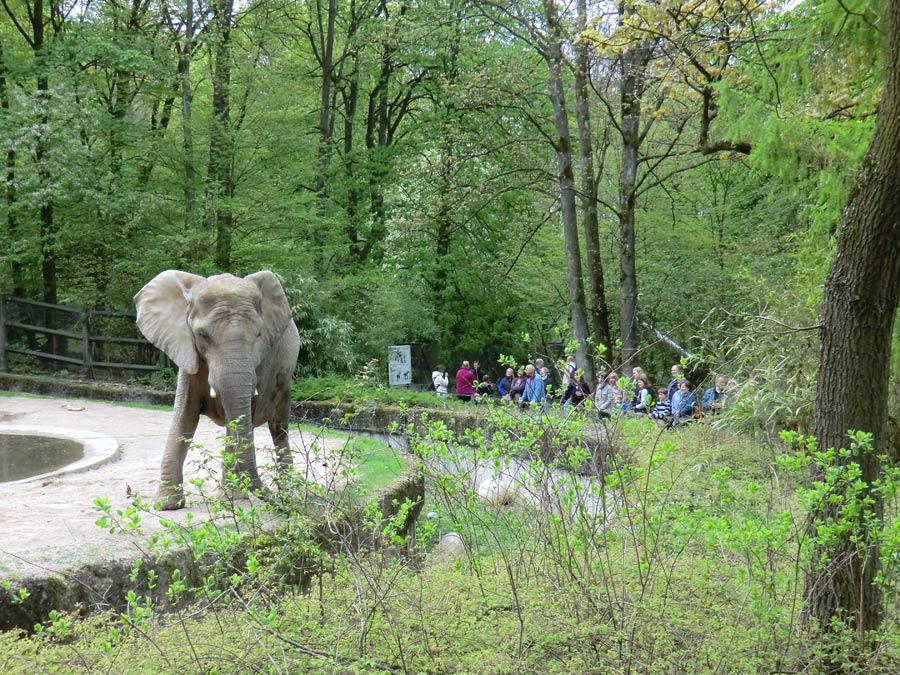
{"type": "Point", "coordinates": [25, 456]}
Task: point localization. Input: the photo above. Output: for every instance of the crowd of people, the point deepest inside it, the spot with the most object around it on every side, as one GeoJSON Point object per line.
{"type": "Point", "coordinates": [674, 404]}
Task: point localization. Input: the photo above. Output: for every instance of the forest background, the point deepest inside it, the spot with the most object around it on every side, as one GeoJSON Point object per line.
{"type": "Point", "coordinates": [481, 178]}
{"type": "Point", "coordinates": [631, 182]}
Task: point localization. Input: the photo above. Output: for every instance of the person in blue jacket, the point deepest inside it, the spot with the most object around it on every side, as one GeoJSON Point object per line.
{"type": "Point", "coordinates": [714, 396]}
{"type": "Point", "coordinates": [683, 403]}
{"type": "Point", "coordinates": [534, 387]}
{"type": "Point", "coordinates": [505, 384]}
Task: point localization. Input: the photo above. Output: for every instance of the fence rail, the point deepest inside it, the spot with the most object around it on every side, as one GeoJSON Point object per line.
{"type": "Point", "coordinates": [75, 337]}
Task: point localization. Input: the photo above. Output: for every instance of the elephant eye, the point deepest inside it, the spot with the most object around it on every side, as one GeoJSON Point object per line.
{"type": "Point", "coordinates": [202, 334]}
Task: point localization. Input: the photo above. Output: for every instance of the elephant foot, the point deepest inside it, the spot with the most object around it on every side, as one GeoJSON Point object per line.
{"type": "Point", "coordinates": [169, 500]}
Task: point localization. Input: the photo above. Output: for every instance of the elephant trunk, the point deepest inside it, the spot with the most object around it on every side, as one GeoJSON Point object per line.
{"type": "Point", "coordinates": [235, 389]}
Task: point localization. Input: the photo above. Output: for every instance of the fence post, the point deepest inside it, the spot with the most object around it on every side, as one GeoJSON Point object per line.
{"type": "Point", "coordinates": [2, 332]}
{"type": "Point", "coordinates": [86, 345]}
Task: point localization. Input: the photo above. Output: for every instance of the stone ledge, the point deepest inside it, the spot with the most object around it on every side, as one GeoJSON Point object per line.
{"type": "Point", "coordinates": [95, 391]}
{"type": "Point", "coordinates": [102, 586]}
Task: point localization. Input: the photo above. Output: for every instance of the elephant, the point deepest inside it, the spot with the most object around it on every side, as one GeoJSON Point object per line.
{"type": "Point", "coordinates": [236, 346]}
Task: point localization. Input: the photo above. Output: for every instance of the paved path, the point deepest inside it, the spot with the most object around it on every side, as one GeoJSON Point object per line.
{"type": "Point", "coordinates": [49, 525]}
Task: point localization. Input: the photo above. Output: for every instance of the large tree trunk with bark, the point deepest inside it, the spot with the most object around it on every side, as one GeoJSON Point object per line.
{"type": "Point", "coordinates": [634, 63]}
{"type": "Point", "coordinates": [568, 211]}
{"type": "Point", "coordinates": [860, 303]}
{"type": "Point", "coordinates": [220, 175]}
{"type": "Point", "coordinates": [598, 311]}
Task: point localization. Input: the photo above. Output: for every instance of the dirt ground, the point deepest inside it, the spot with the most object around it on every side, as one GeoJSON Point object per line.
{"type": "Point", "coordinates": [48, 525]}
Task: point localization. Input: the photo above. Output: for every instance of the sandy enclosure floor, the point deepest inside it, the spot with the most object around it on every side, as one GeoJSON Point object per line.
{"type": "Point", "coordinates": [49, 525]}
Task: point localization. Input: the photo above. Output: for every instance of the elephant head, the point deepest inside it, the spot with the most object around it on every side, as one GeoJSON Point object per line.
{"type": "Point", "coordinates": [227, 335]}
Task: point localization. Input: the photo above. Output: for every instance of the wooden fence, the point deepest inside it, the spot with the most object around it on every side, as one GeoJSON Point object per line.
{"type": "Point", "coordinates": [88, 339]}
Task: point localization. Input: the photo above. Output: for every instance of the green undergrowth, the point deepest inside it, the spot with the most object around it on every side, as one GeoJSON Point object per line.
{"type": "Point", "coordinates": [360, 390]}
{"type": "Point", "coordinates": [375, 463]}
{"type": "Point", "coordinates": [681, 552]}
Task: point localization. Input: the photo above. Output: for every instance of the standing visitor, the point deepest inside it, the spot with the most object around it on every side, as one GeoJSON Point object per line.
{"type": "Point", "coordinates": [477, 371]}
{"type": "Point", "coordinates": [440, 380]}
{"type": "Point", "coordinates": [465, 383]}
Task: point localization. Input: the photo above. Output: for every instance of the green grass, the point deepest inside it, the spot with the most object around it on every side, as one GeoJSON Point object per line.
{"type": "Point", "coordinates": [378, 464]}
{"type": "Point", "coordinates": [696, 572]}
{"type": "Point", "coordinates": [23, 394]}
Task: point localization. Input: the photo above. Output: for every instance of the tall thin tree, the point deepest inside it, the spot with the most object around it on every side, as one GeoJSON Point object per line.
{"type": "Point", "coordinates": [219, 213]}
{"type": "Point", "coordinates": [598, 310]}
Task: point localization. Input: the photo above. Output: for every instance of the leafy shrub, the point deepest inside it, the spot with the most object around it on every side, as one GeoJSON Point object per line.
{"type": "Point", "coordinates": [685, 552]}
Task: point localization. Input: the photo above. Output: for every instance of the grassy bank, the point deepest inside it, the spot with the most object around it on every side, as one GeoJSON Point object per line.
{"type": "Point", "coordinates": [691, 560]}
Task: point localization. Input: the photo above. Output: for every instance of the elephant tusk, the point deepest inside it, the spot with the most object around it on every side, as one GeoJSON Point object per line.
{"type": "Point", "coordinates": [212, 392]}
{"type": "Point", "coordinates": [255, 391]}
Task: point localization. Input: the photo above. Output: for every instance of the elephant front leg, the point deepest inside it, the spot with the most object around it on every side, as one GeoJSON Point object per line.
{"type": "Point", "coordinates": [181, 435]}
{"type": "Point", "coordinates": [171, 479]}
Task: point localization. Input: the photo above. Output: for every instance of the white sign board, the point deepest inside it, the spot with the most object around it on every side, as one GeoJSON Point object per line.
{"type": "Point", "coordinates": [399, 365]}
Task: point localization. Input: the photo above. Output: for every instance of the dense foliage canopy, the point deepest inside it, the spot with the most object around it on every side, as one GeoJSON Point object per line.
{"type": "Point", "coordinates": [402, 165]}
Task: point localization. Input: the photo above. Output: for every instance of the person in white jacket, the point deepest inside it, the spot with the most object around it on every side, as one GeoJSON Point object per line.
{"type": "Point", "coordinates": [440, 380]}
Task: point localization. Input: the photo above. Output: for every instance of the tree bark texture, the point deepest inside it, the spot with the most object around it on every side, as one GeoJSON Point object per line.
{"type": "Point", "coordinates": [323, 47]}
{"type": "Point", "coordinates": [189, 188]}
{"type": "Point", "coordinates": [858, 311]}
{"type": "Point", "coordinates": [568, 210]}
{"type": "Point", "coordinates": [220, 175]}
{"type": "Point", "coordinates": [598, 311]}
{"type": "Point", "coordinates": [634, 62]}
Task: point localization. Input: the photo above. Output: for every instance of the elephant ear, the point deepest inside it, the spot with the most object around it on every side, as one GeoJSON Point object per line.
{"type": "Point", "coordinates": [275, 309]}
{"type": "Point", "coordinates": [162, 312]}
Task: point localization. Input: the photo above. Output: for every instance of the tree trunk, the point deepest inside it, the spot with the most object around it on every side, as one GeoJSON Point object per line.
{"type": "Point", "coordinates": [858, 310]}
{"type": "Point", "coordinates": [377, 125]}
{"type": "Point", "coordinates": [325, 50]}
{"type": "Point", "coordinates": [554, 58]}
{"type": "Point", "coordinates": [449, 110]}
{"type": "Point", "coordinates": [158, 127]}
{"type": "Point", "coordinates": [350, 95]}
{"type": "Point", "coordinates": [634, 61]}
{"type": "Point", "coordinates": [219, 214]}
{"type": "Point", "coordinates": [189, 188]}
{"type": "Point", "coordinates": [326, 63]}
{"type": "Point", "coordinates": [17, 271]}
{"type": "Point", "coordinates": [598, 311]}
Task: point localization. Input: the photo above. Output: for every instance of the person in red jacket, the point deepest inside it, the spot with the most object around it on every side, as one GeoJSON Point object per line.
{"type": "Point", "coordinates": [465, 383]}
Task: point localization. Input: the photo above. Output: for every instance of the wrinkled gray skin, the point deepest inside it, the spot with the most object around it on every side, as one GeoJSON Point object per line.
{"type": "Point", "coordinates": [236, 346]}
